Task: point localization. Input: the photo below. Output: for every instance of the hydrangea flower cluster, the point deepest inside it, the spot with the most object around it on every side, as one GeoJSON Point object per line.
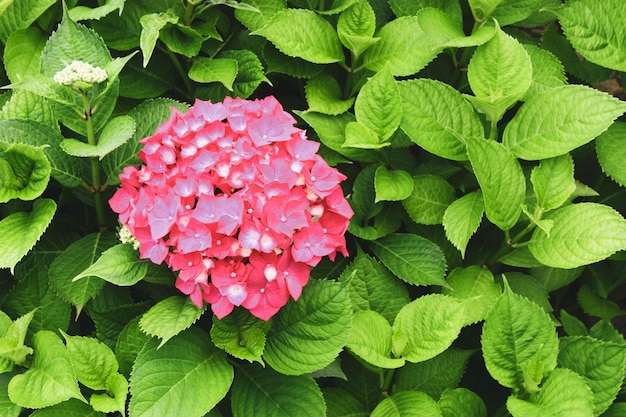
{"type": "Point", "coordinates": [236, 199]}
{"type": "Point", "coordinates": [79, 71]}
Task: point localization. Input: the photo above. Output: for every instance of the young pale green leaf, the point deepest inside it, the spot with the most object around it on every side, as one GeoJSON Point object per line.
{"type": "Point", "coordinates": [548, 72]}
{"type": "Point", "coordinates": [475, 284]}
{"type": "Point", "coordinates": [444, 31]}
{"type": "Point", "coordinates": [12, 346]}
{"type": "Point", "coordinates": [378, 105]}
{"type": "Point", "coordinates": [392, 185]}
{"type": "Point", "coordinates": [434, 376]}
{"type": "Point", "coordinates": [308, 334]}
{"type": "Point", "coordinates": [356, 26]}
{"type": "Point", "coordinates": [563, 393]}
{"type": "Point", "coordinates": [429, 198]}
{"type": "Point", "coordinates": [169, 317]}
{"type": "Point", "coordinates": [51, 378]}
{"type": "Point", "coordinates": [501, 180]}
{"type": "Point", "coordinates": [114, 399]}
{"type": "Point", "coordinates": [461, 402]}
{"type": "Point", "coordinates": [609, 148]}
{"type": "Point", "coordinates": [436, 117]}
{"type": "Point", "coordinates": [22, 52]}
{"type": "Point", "coordinates": [25, 172]}
{"type": "Point", "coordinates": [505, 12]}
{"type": "Point", "coordinates": [598, 230]}
{"type": "Point", "coordinates": [371, 340]}
{"type": "Point", "coordinates": [595, 30]}
{"type": "Point", "coordinates": [516, 331]}
{"type": "Point", "coordinates": [553, 181]}
{"type": "Point", "coordinates": [462, 218]}
{"type": "Point", "coordinates": [559, 120]}
{"type": "Point", "coordinates": [21, 230]}
{"type": "Point", "coordinates": [265, 10]}
{"type": "Point", "coordinates": [499, 73]}
{"type": "Point", "coordinates": [407, 404]}
{"type": "Point", "coordinates": [187, 367]}
{"type": "Point", "coordinates": [597, 306]}
{"type": "Point", "coordinates": [115, 133]}
{"type": "Point", "coordinates": [404, 45]}
{"type": "Point", "coordinates": [15, 15]}
{"type": "Point", "coordinates": [411, 258]}
{"type": "Point", "coordinates": [151, 25]}
{"type": "Point", "coordinates": [427, 326]}
{"type": "Point", "coordinates": [93, 361]}
{"type": "Point", "coordinates": [119, 265]}
{"type": "Point", "coordinates": [323, 95]}
{"type": "Point", "coordinates": [263, 392]}
{"type": "Point", "coordinates": [360, 136]}
{"type": "Point", "coordinates": [602, 364]}
{"type": "Point", "coordinates": [206, 70]}
{"type": "Point", "coordinates": [241, 335]}
{"type": "Point", "coordinates": [78, 13]}
{"type": "Point", "coordinates": [318, 44]}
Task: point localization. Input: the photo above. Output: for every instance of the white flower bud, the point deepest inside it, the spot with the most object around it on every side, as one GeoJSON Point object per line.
{"type": "Point", "coordinates": [127, 237]}
{"type": "Point", "coordinates": [79, 71]}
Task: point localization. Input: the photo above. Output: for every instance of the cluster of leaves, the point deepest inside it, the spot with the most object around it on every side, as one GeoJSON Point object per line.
{"type": "Point", "coordinates": [485, 169]}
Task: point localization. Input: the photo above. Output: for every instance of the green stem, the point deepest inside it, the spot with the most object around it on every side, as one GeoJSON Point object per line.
{"type": "Point", "coordinates": [96, 182]}
{"type": "Point", "coordinates": [386, 379]}
{"type": "Point", "coordinates": [493, 132]}
{"type": "Point", "coordinates": [189, 8]}
{"type": "Point", "coordinates": [181, 71]}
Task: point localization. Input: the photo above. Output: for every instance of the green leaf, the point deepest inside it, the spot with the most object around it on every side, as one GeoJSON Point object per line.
{"type": "Point", "coordinates": [462, 218]}
{"type": "Point", "coordinates": [361, 137]}
{"type": "Point", "coordinates": [249, 77]}
{"type": "Point", "coordinates": [609, 148]}
{"type": "Point", "coordinates": [22, 52]}
{"type": "Point", "coordinates": [572, 326]}
{"type": "Point", "coordinates": [444, 31]}
{"type": "Point", "coordinates": [308, 334]}
{"type": "Point", "coordinates": [25, 172]}
{"type": "Point", "coordinates": [602, 364]}
{"type": "Point", "coordinates": [241, 334]}
{"type": "Point", "coordinates": [339, 402]}
{"type": "Point", "coordinates": [548, 72]}
{"type": "Point", "coordinates": [407, 404]}
{"type": "Point", "coordinates": [553, 181]}
{"type": "Point", "coordinates": [114, 399]}
{"type": "Point", "coordinates": [436, 117]}
{"type": "Point", "coordinates": [563, 393]}
{"type": "Point", "coordinates": [555, 278]}
{"type": "Point", "coordinates": [356, 26]}
{"type": "Point", "coordinates": [559, 120]}
{"type": "Point", "coordinates": [93, 361]}
{"type": "Point", "coordinates": [412, 7]}
{"type": "Point", "coordinates": [119, 265]}
{"type": "Point", "coordinates": [378, 106]}
{"type": "Point", "coordinates": [187, 367]}
{"type": "Point", "coordinates": [21, 230]}
{"type": "Point", "coordinates": [517, 331]}
{"type": "Point", "coordinates": [404, 45]}
{"type": "Point", "coordinates": [604, 330]}
{"type": "Point", "coordinates": [530, 288]}
{"type": "Point", "coordinates": [615, 410]}
{"type": "Point", "coordinates": [505, 12]}
{"type": "Point", "coordinates": [323, 95]}
{"type": "Point", "coordinates": [261, 392]}
{"type": "Point", "coordinates": [115, 134]}
{"type": "Point", "coordinates": [27, 105]}
{"type": "Point", "coordinates": [476, 285]}
{"type": "Point", "coordinates": [206, 70]}
{"type": "Point", "coordinates": [461, 402]}
{"type": "Point", "coordinates": [392, 185]}
{"type": "Point", "coordinates": [277, 62]}
{"type": "Point", "coordinates": [411, 258]}
{"type": "Point", "coordinates": [151, 25]}
{"type": "Point", "coordinates": [501, 180]}
{"type": "Point", "coordinates": [79, 13]}
{"type": "Point", "coordinates": [15, 15]}
{"type": "Point", "coordinates": [430, 197]}
{"type": "Point", "coordinates": [169, 317]}
{"type": "Point", "coordinates": [12, 345]}
{"type": "Point", "coordinates": [149, 82]}
{"type": "Point", "coordinates": [500, 74]}
{"type": "Point", "coordinates": [318, 44]}
{"type": "Point", "coordinates": [596, 305]}
{"type": "Point", "coordinates": [266, 9]}
{"type": "Point", "coordinates": [51, 378]}
{"type": "Point", "coordinates": [434, 376]}
{"type": "Point", "coordinates": [182, 39]}
{"type": "Point", "coordinates": [598, 230]}
{"type": "Point", "coordinates": [128, 345]}
{"type": "Point", "coordinates": [71, 408]}
{"type": "Point", "coordinates": [595, 30]}
{"type": "Point", "coordinates": [371, 340]}
{"type": "Point", "coordinates": [9, 408]}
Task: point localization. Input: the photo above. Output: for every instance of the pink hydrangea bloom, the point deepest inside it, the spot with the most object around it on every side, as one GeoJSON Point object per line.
{"type": "Point", "coordinates": [234, 198]}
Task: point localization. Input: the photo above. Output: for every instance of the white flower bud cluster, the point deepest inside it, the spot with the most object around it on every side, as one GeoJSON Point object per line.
{"type": "Point", "coordinates": [127, 237]}
{"type": "Point", "coordinates": [79, 71]}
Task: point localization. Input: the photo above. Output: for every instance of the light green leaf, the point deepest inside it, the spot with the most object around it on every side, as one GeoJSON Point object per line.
{"type": "Point", "coordinates": [79, 13]}
{"type": "Point", "coordinates": [378, 105]}
{"type": "Point", "coordinates": [516, 331]}
{"type": "Point", "coordinates": [128, 345]}
{"type": "Point", "coordinates": [323, 95]}
{"type": "Point", "coordinates": [24, 104]}
{"type": "Point", "coordinates": [22, 52]}
{"type": "Point", "coordinates": [24, 172]}
{"type": "Point", "coordinates": [187, 367]}
{"type": "Point", "coordinates": [277, 62]}
{"type": "Point", "coordinates": [249, 76]}
{"type": "Point", "coordinates": [93, 361]}
{"type": "Point", "coordinates": [475, 284]}
{"type": "Point", "coordinates": [119, 265]}
{"type": "Point", "coordinates": [530, 288]}
{"type": "Point", "coordinates": [559, 120]}
{"type": "Point", "coordinates": [563, 393]}
{"type": "Point", "coordinates": [461, 402]}
{"type": "Point", "coordinates": [319, 43]}
{"type": "Point", "coordinates": [262, 392]}
{"type": "Point", "coordinates": [436, 117]}
{"type": "Point", "coordinates": [444, 31]}
{"type": "Point", "coordinates": [151, 25]}
{"type": "Point", "coordinates": [356, 26]}
{"type": "Point", "coordinates": [308, 334]}
{"type": "Point", "coordinates": [506, 12]}
{"type": "Point", "coordinates": [598, 231]}
{"type": "Point", "coordinates": [404, 45]}
{"type": "Point", "coordinates": [555, 278]}
{"type": "Point", "coordinates": [241, 334]}
{"type": "Point", "coordinates": [206, 70]}
{"type": "Point", "coordinates": [610, 147]}
{"type": "Point", "coordinates": [392, 185]}
{"type": "Point", "coordinates": [266, 9]}
{"type": "Point", "coordinates": [15, 15]}
{"type": "Point", "coordinates": [169, 317]}
{"type": "Point", "coordinates": [501, 180]}
{"type": "Point", "coordinates": [412, 258]}
{"type": "Point", "coordinates": [572, 325]}
{"type": "Point", "coordinates": [604, 330]}
{"type": "Point", "coordinates": [407, 404]}
{"type": "Point", "coordinates": [71, 408]}
{"type": "Point", "coordinates": [595, 30]}
{"type": "Point", "coordinates": [413, 7]}
{"type": "Point", "coordinates": [21, 230]}
{"type": "Point", "coordinates": [553, 181]}
{"type": "Point", "coordinates": [115, 134]}
{"type": "Point", "coordinates": [114, 399]}
{"type": "Point", "coordinates": [371, 340]}
{"type": "Point", "coordinates": [430, 197]}
{"type": "Point", "coordinates": [12, 345]}
{"type": "Point", "coordinates": [360, 136]}
{"type": "Point", "coordinates": [462, 218]}
{"type": "Point", "coordinates": [51, 378]}
{"type": "Point", "coordinates": [548, 72]}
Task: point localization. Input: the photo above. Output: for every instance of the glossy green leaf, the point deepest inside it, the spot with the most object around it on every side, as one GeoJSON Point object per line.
{"type": "Point", "coordinates": [241, 334]}
{"type": "Point", "coordinates": [119, 265]}
{"type": "Point", "coordinates": [323, 95]}
{"type": "Point", "coordinates": [308, 334]}
{"type": "Point", "coordinates": [151, 25]}
{"type": "Point", "coordinates": [24, 104]}
{"type": "Point", "coordinates": [392, 185]}
{"type": "Point", "coordinates": [461, 219]}
{"type": "Point", "coordinates": [360, 136]}
{"type": "Point", "coordinates": [378, 105]}
{"type": "Point", "coordinates": [572, 326]}
{"type": "Point", "coordinates": [412, 258]}
{"type": "Point", "coordinates": [371, 340]}
{"type": "Point", "coordinates": [79, 13]}
{"type": "Point", "coordinates": [505, 12]}
{"type": "Point", "coordinates": [266, 9]}
{"type": "Point", "coordinates": [609, 146]}
{"type": "Point", "coordinates": [555, 278]}
{"type": "Point", "coordinates": [430, 197]}
{"type": "Point", "coordinates": [12, 346]}
{"type": "Point", "coordinates": [339, 402]}
{"type": "Point", "coordinates": [115, 133]}
{"type": "Point", "coordinates": [93, 361]}
{"type": "Point", "coordinates": [71, 408]}
{"type": "Point", "coordinates": [182, 39]}
{"type": "Point", "coordinates": [559, 120]}
{"type": "Point", "coordinates": [548, 72]}
{"type": "Point", "coordinates": [413, 7]}
{"type": "Point", "coordinates": [407, 404]}
{"type": "Point", "coordinates": [444, 31]}
{"type": "Point", "coordinates": [205, 70]}
{"type": "Point", "coordinates": [249, 76]}
{"type": "Point", "coordinates": [114, 399]}
{"type": "Point", "coordinates": [128, 345]}
{"type": "Point", "coordinates": [15, 15]}
{"type": "Point", "coordinates": [476, 285]}
{"type": "Point", "coordinates": [21, 53]}
{"type": "Point", "coordinates": [25, 172]}
{"type": "Point", "coordinates": [595, 305]}
{"type": "Point", "coordinates": [461, 402]}
{"type": "Point", "coordinates": [169, 317]}
{"type": "Point", "coordinates": [598, 230]}
{"type": "Point", "coordinates": [501, 180]}
{"type": "Point", "coordinates": [553, 181]}
{"type": "Point", "coordinates": [356, 26]}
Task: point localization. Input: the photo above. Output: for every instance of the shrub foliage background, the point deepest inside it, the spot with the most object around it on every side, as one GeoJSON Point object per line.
{"type": "Point", "coordinates": [485, 169]}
